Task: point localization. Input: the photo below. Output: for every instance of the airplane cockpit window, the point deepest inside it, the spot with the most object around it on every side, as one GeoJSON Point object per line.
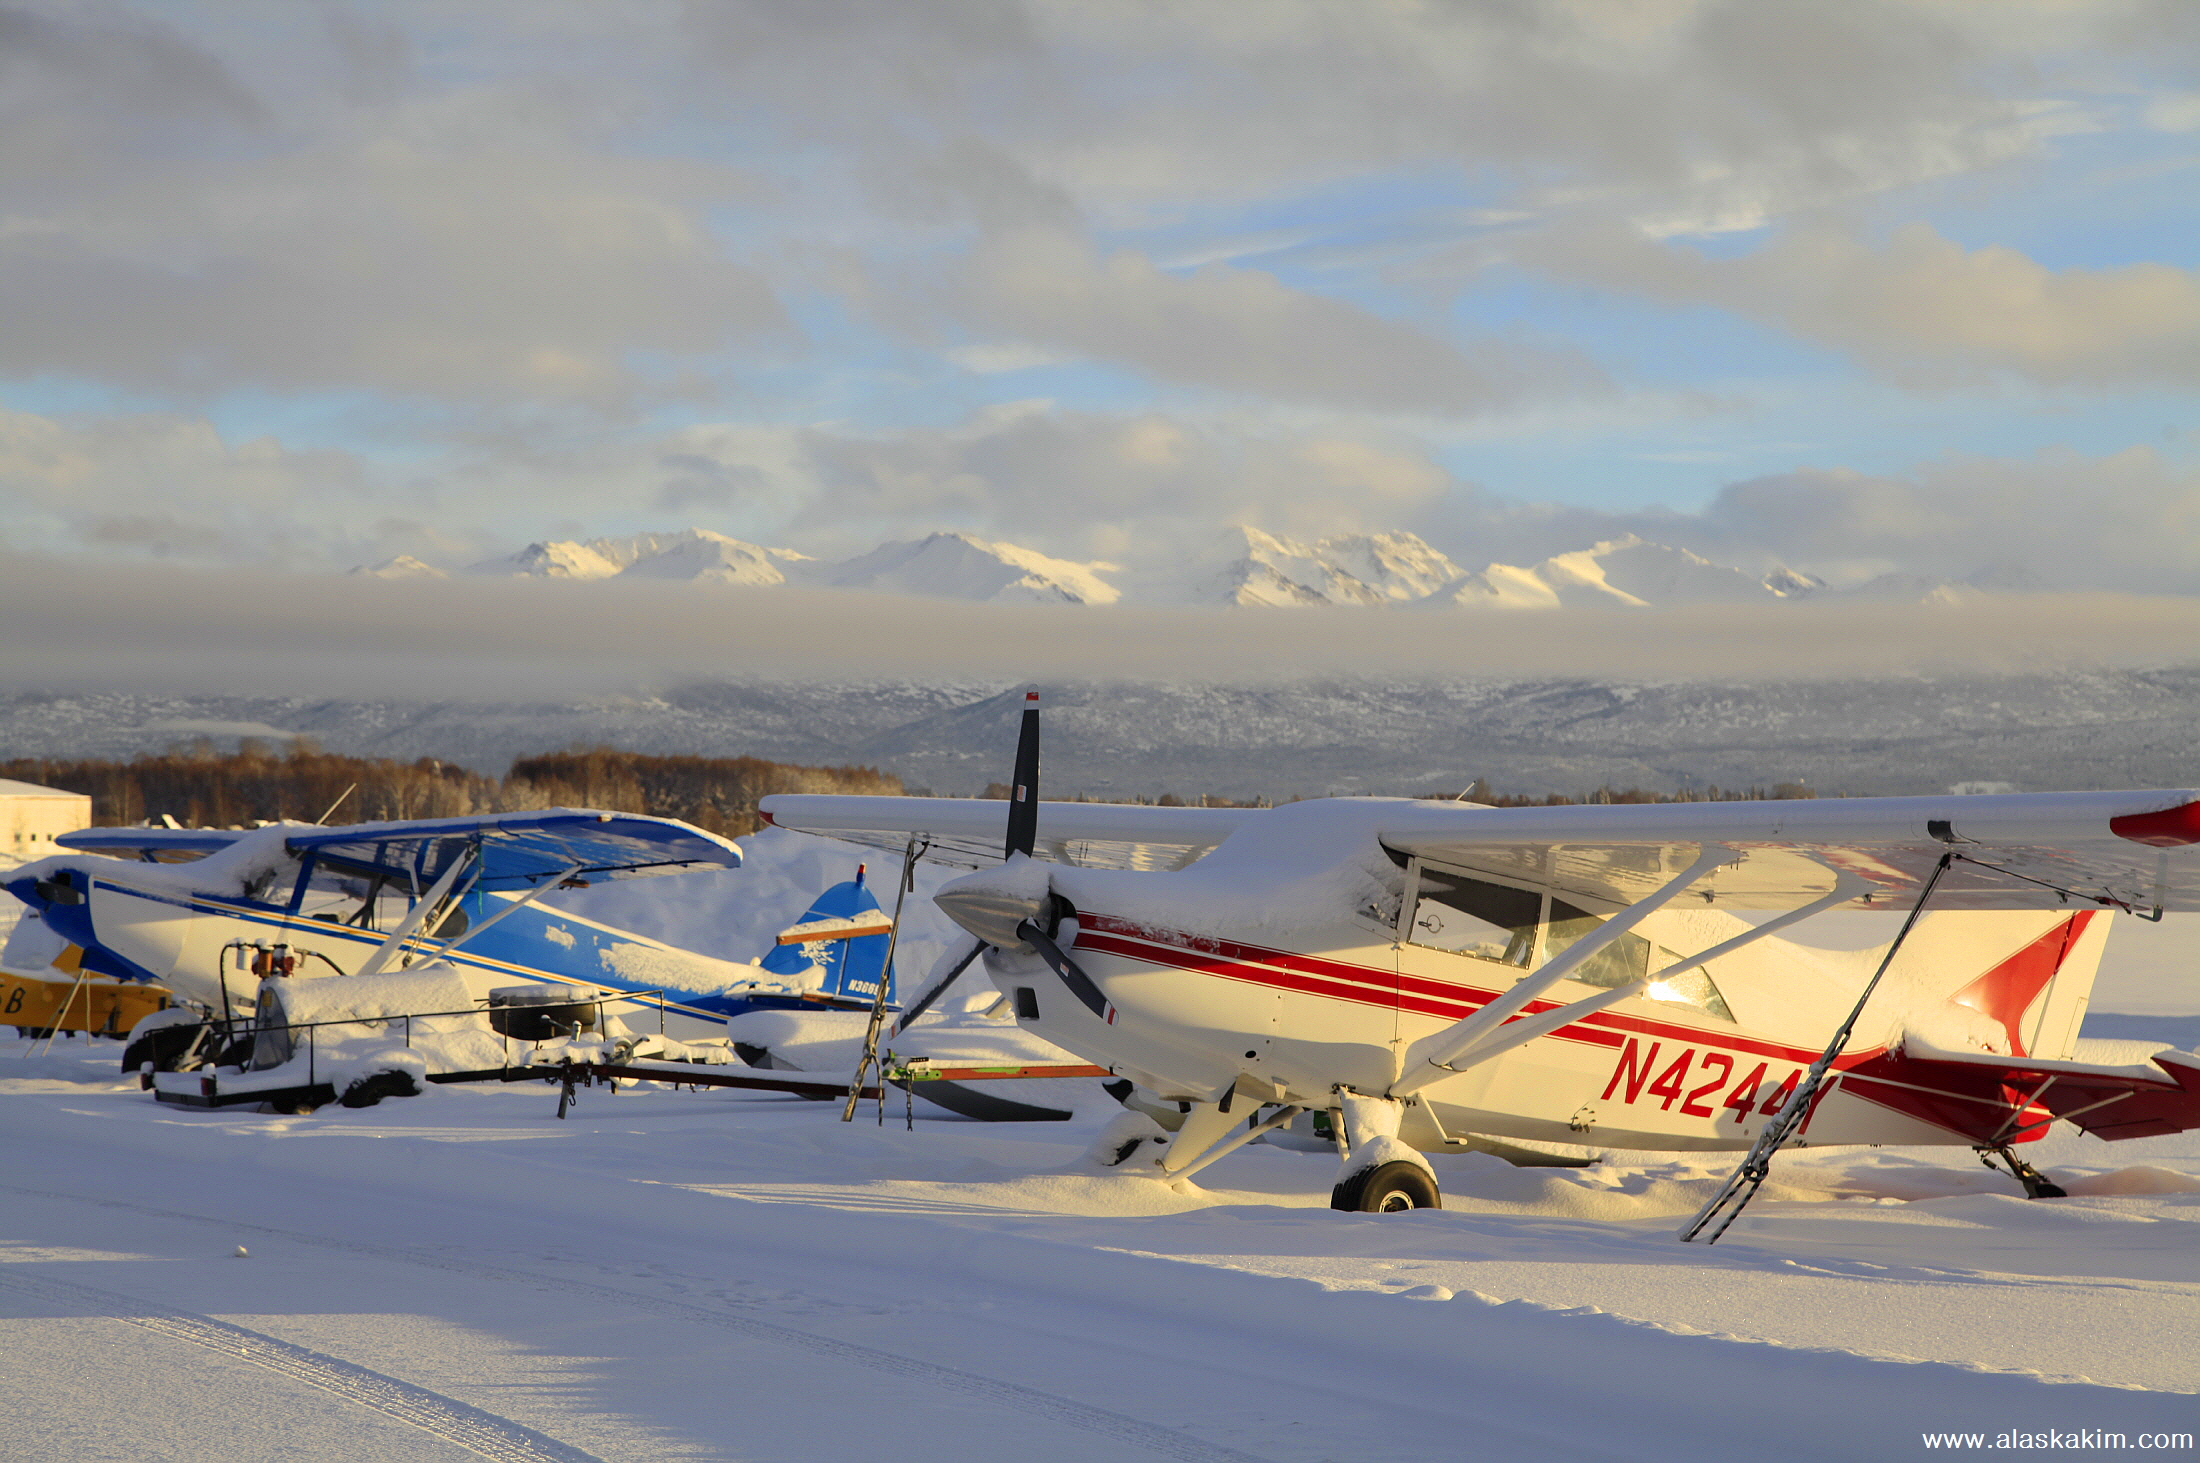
{"type": "Point", "coordinates": [1628, 958]}
{"type": "Point", "coordinates": [1625, 959]}
{"type": "Point", "coordinates": [1469, 917]}
{"type": "Point", "coordinates": [1494, 922]}
{"type": "Point", "coordinates": [376, 906]}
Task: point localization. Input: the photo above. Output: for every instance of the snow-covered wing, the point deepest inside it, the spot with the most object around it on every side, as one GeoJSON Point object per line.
{"type": "Point", "coordinates": [154, 845]}
{"type": "Point", "coordinates": [2132, 850]}
{"type": "Point", "coordinates": [973, 830]}
{"type": "Point", "coordinates": [518, 850]}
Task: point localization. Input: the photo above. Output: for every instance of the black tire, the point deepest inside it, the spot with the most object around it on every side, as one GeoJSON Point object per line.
{"type": "Point", "coordinates": [1387, 1188]}
{"type": "Point", "coordinates": [369, 1090]}
{"type": "Point", "coordinates": [163, 1046]}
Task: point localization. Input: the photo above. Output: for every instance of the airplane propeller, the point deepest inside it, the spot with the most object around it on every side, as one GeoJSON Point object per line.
{"type": "Point", "coordinates": [1008, 921]}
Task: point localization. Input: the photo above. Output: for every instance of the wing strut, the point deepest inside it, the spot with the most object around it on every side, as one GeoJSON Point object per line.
{"type": "Point", "coordinates": [923, 1003]}
{"type": "Point", "coordinates": [430, 904]}
{"type": "Point", "coordinates": [1742, 1185]}
{"type": "Point", "coordinates": [541, 888]}
{"type": "Point", "coordinates": [870, 1063]}
{"type": "Point", "coordinates": [1428, 1060]}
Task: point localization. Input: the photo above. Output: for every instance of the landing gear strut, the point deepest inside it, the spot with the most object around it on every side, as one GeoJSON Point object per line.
{"type": "Point", "coordinates": [1379, 1174]}
{"type": "Point", "coordinates": [2037, 1185]}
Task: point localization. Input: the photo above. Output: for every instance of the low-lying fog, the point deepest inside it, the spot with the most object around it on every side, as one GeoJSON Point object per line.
{"type": "Point", "coordinates": [166, 628]}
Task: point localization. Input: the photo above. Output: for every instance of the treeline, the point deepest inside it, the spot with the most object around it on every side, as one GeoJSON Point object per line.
{"type": "Point", "coordinates": [714, 793]}
{"type": "Point", "coordinates": [1481, 792]}
{"type": "Point", "coordinates": [999, 792]}
{"type": "Point", "coordinates": [201, 788]}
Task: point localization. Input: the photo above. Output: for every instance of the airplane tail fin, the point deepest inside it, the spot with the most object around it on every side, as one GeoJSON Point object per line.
{"type": "Point", "coordinates": [2008, 984]}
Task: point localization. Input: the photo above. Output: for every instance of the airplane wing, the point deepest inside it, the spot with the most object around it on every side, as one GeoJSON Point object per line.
{"type": "Point", "coordinates": [973, 830]}
{"type": "Point", "coordinates": [2134, 851]}
{"type": "Point", "coordinates": [518, 850]}
{"type": "Point", "coordinates": [153, 845]}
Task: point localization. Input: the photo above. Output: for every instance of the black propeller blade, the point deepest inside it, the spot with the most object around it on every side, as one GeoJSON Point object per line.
{"type": "Point", "coordinates": [1057, 959]}
{"type": "Point", "coordinates": [1023, 832]}
{"type": "Point", "coordinates": [1023, 801]}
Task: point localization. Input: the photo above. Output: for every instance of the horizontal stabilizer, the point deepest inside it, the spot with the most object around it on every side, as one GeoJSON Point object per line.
{"type": "Point", "coordinates": [852, 928]}
{"type": "Point", "coordinates": [1993, 1100]}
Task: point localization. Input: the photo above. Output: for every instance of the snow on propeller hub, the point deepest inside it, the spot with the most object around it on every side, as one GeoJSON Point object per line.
{"type": "Point", "coordinates": [1014, 920]}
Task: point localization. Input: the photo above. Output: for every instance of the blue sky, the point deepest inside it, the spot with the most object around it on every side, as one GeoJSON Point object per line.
{"type": "Point", "coordinates": [1898, 284]}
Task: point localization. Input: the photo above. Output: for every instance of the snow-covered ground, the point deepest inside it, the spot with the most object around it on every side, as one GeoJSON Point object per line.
{"type": "Point", "coordinates": [673, 1275]}
{"type": "Point", "coordinates": [679, 1275]}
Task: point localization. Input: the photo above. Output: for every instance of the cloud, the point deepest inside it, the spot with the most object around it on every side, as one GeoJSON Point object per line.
{"type": "Point", "coordinates": [170, 485]}
{"type": "Point", "coordinates": [2126, 521]}
{"type": "Point", "coordinates": [89, 93]}
{"type": "Point", "coordinates": [1081, 484]}
{"type": "Point", "coordinates": [1923, 310]}
{"type": "Point", "coordinates": [174, 233]}
{"type": "Point", "coordinates": [1715, 107]}
{"type": "Point", "coordinates": [1240, 330]}
{"type": "Point", "coordinates": [508, 206]}
{"type": "Point", "coordinates": [1092, 485]}
{"type": "Point", "coordinates": [1150, 490]}
{"type": "Point", "coordinates": [380, 266]}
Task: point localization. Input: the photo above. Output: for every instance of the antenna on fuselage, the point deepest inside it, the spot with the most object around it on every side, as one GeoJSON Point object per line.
{"type": "Point", "coordinates": [332, 807]}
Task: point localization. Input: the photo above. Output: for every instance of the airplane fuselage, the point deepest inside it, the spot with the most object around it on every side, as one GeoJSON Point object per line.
{"type": "Point", "coordinates": [160, 929]}
{"type": "Point", "coordinates": [1289, 972]}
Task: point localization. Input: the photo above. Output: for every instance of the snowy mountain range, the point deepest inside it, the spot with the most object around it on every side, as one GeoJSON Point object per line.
{"type": "Point", "coordinates": [1246, 568]}
{"type": "Point", "coordinates": [2036, 730]}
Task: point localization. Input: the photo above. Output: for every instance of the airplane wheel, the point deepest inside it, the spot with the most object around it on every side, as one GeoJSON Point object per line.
{"type": "Point", "coordinates": [163, 1046]}
{"type": "Point", "coordinates": [1388, 1188]}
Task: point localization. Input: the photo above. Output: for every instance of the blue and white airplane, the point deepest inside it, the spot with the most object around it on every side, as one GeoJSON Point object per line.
{"type": "Point", "coordinates": [173, 905]}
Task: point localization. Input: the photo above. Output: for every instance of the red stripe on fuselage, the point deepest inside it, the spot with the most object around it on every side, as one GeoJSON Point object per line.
{"type": "Point", "coordinates": [1369, 986]}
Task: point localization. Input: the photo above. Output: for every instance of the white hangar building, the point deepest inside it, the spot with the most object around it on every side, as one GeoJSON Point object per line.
{"type": "Point", "coordinates": [32, 817]}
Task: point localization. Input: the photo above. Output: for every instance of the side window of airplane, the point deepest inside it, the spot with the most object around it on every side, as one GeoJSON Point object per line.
{"type": "Point", "coordinates": [1626, 959]}
{"type": "Point", "coordinates": [1470, 917]}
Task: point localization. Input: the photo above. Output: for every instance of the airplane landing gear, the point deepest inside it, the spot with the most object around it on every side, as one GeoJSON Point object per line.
{"type": "Point", "coordinates": [2037, 1185]}
{"type": "Point", "coordinates": [1389, 1188]}
{"type": "Point", "coordinates": [1380, 1174]}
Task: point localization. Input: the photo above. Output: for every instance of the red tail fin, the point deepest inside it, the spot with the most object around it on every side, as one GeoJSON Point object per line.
{"type": "Point", "coordinates": [2006, 992]}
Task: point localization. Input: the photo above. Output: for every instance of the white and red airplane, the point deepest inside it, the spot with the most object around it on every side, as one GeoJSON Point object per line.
{"type": "Point", "coordinates": [1429, 976]}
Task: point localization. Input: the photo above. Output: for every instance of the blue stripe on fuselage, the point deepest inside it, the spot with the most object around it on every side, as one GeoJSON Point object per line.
{"type": "Point", "coordinates": [520, 946]}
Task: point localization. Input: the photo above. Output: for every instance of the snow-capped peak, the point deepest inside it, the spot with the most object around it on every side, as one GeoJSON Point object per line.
{"type": "Point", "coordinates": [404, 566]}
{"type": "Point", "coordinates": [552, 559]}
{"type": "Point", "coordinates": [692, 553]}
{"type": "Point", "coordinates": [699, 556]}
{"type": "Point", "coordinates": [1626, 572]}
{"type": "Point", "coordinates": [958, 566]}
{"type": "Point", "coordinates": [1343, 569]}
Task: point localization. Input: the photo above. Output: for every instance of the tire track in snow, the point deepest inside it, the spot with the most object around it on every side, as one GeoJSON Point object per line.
{"type": "Point", "coordinates": [497, 1438]}
{"type": "Point", "coordinates": [1028, 1400]}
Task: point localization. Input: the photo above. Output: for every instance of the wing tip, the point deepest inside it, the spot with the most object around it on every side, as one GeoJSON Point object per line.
{"type": "Point", "coordinates": [2175, 827]}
